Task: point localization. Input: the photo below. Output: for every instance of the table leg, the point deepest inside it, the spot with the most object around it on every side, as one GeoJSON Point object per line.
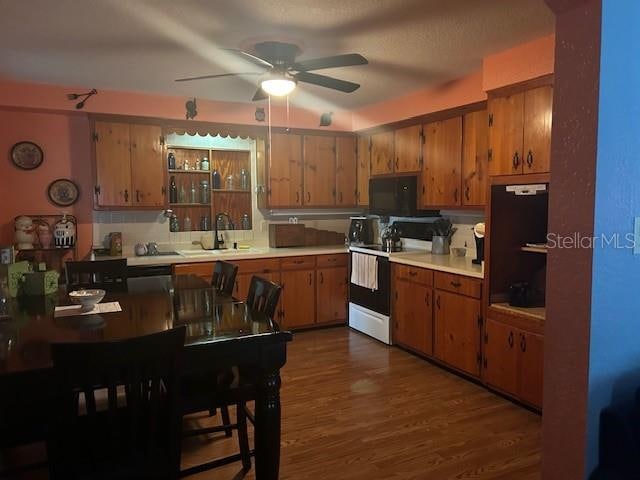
{"type": "Point", "coordinates": [267, 427]}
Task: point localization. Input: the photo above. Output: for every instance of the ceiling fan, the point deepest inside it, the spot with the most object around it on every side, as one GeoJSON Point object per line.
{"type": "Point", "coordinates": [282, 72]}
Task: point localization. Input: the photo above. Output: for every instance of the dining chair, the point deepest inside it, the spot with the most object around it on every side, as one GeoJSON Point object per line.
{"type": "Point", "coordinates": [104, 274]}
{"type": "Point", "coordinates": [136, 433]}
{"type": "Point", "coordinates": [263, 296]}
{"type": "Point", "coordinates": [224, 276]}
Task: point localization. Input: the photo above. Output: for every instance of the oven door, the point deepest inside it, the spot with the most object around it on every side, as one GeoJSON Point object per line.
{"type": "Point", "coordinates": [377, 300]}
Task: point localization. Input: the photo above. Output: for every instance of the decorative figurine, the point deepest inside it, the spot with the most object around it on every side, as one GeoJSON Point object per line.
{"type": "Point", "coordinates": [44, 234]}
{"type": "Point", "coordinates": [24, 235]}
{"type": "Point", "coordinates": [64, 232]}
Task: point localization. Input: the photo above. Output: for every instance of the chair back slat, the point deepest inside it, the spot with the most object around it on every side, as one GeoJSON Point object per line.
{"type": "Point", "coordinates": [105, 274]}
{"type": "Point", "coordinates": [137, 436]}
{"type": "Point", "coordinates": [264, 296]}
{"type": "Point", "coordinates": [224, 276]}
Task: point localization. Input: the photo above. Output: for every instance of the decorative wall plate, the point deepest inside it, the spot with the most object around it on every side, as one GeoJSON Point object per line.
{"type": "Point", "coordinates": [26, 155]}
{"type": "Point", "coordinates": [63, 192]}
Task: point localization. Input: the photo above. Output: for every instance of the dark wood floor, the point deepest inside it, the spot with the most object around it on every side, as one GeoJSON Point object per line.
{"type": "Point", "coordinates": [356, 409]}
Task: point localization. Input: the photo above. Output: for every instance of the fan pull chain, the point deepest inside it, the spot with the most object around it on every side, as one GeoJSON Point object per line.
{"type": "Point", "coordinates": [288, 122]}
{"type": "Point", "coordinates": [269, 124]}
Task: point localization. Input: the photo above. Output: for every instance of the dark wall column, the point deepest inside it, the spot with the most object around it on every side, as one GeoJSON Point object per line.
{"type": "Point", "coordinates": [571, 211]}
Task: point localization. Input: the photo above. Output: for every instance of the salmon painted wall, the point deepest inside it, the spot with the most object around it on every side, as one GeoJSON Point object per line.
{"type": "Point", "coordinates": [452, 94]}
{"type": "Point", "coordinates": [529, 60]}
{"type": "Point", "coordinates": [53, 97]}
{"type": "Point", "coordinates": [64, 138]}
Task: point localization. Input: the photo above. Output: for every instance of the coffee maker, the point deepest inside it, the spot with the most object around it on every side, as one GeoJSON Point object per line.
{"type": "Point", "coordinates": [478, 235]}
{"type": "Point", "coordinates": [361, 231]}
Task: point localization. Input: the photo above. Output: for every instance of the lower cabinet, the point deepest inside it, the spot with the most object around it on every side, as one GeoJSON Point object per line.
{"type": "Point", "coordinates": [298, 306]}
{"type": "Point", "coordinates": [513, 361]}
{"type": "Point", "coordinates": [412, 316]}
{"type": "Point", "coordinates": [458, 325]}
{"type": "Point", "coordinates": [331, 295]}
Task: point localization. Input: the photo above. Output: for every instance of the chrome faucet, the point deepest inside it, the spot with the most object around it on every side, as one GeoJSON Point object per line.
{"type": "Point", "coordinates": [219, 242]}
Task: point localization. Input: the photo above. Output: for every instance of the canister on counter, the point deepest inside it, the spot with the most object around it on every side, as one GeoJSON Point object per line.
{"type": "Point", "coordinates": [115, 244]}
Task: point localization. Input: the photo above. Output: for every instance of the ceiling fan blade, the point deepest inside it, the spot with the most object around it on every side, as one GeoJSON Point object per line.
{"type": "Point", "coordinates": [346, 60]}
{"type": "Point", "coordinates": [328, 82]}
{"type": "Point", "coordinates": [260, 95]}
{"type": "Point", "coordinates": [203, 77]}
{"type": "Point", "coordinates": [252, 58]}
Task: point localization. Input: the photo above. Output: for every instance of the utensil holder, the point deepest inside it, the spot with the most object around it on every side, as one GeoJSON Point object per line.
{"type": "Point", "coordinates": [440, 245]}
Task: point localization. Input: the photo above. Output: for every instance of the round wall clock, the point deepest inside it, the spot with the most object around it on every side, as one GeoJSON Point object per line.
{"type": "Point", "coordinates": [63, 192]}
{"type": "Point", "coordinates": [26, 155]}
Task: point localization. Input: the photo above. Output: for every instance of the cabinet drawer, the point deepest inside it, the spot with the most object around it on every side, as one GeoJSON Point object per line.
{"type": "Point", "coordinates": [262, 265]}
{"type": "Point", "coordinates": [202, 269]}
{"type": "Point", "coordinates": [414, 274]}
{"type": "Point", "coordinates": [294, 263]}
{"type": "Point", "coordinates": [471, 287]}
{"type": "Point", "coordinates": [338, 260]}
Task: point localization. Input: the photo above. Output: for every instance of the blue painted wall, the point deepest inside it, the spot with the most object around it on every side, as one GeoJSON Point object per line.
{"type": "Point", "coordinates": [614, 364]}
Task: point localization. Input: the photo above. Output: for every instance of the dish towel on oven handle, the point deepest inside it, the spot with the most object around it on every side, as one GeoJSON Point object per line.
{"type": "Point", "coordinates": [364, 270]}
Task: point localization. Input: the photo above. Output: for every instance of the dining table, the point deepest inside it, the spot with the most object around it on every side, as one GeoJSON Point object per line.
{"type": "Point", "coordinates": [220, 331]}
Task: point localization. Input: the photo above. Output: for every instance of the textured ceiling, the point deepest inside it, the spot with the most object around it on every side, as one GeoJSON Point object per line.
{"type": "Point", "coordinates": [143, 45]}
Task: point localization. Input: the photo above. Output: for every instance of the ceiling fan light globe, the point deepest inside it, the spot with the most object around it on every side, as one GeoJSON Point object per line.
{"type": "Point", "coordinates": [278, 87]}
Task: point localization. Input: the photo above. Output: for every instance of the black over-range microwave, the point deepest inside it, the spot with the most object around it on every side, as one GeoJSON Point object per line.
{"type": "Point", "coordinates": [393, 196]}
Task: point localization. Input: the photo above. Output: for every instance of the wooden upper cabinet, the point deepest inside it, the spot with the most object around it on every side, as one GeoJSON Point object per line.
{"type": "Point", "coordinates": [147, 166]}
{"type": "Point", "coordinates": [364, 166]}
{"type": "Point", "coordinates": [346, 168]}
{"type": "Point", "coordinates": [408, 149]}
{"type": "Point", "coordinates": [319, 171]}
{"type": "Point", "coordinates": [382, 153]}
{"type": "Point", "coordinates": [113, 165]}
{"type": "Point", "coordinates": [475, 139]}
{"type": "Point", "coordinates": [442, 163]}
{"type": "Point", "coordinates": [285, 171]}
{"type": "Point", "coordinates": [538, 104]}
{"type": "Point", "coordinates": [506, 123]}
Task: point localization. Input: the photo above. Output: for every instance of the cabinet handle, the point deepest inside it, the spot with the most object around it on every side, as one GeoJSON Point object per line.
{"type": "Point", "coordinates": [455, 195]}
{"type": "Point", "coordinates": [164, 191]}
{"type": "Point", "coordinates": [484, 363]}
{"type": "Point", "coordinates": [297, 197]}
{"type": "Point", "coordinates": [138, 196]}
{"type": "Point", "coordinates": [389, 165]}
{"type": "Point", "coordinates": [321, 278]}
{"type": "Point", "coordinates": [426, 300]}
{"type": "Point", "coordinates": [438, 302]}
{"type": "Point", "coordinates": [340, 196]}
{"type": "Point", "coordinates": [523, 343]}
{"type": "Point", "coordinates": [298, 262]}
{"type": "Point", "coordinates": [516, 160]}
{"type": "Point", "coordinates": [308, 197]}
{"type": "Point", "coordinates": [510, 340]}
{"type": "Point", "coordinates": [397, 163]}
{"type": "Point", "coordinates": [310, 278]}
{"type": "Point", "coordinates": [412, 273]}
{"type": "Point", "coordinates": [126, 195]}
{"type": "Point", "coordinates": [456, 284]}
{"type": "Point", "coordinates": [466, 193]}
{"type": "Point", "coordinates": [530, 159]}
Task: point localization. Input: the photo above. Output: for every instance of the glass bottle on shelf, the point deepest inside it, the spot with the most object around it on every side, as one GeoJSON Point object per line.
{"type": "Point", "coordinates": [230, 182]}
{"type": "Point", "coordinates": [174, 224]}
{"type": "Point", "coordinates": [193, 197]}
{"type": "Point", "coordinates": [172, 161]}
{"type": "Point", "coordinates": [220, 223]}
{"type": "Point", "coordinates": [204, 223]}
{"type": "Point", "coordinates": [204, 164]}
{"type": "Point", "coordinates": [187, 224]}
{"type": "Point", "coordinates": [182, 196]}
{"type": "Point", "coordinates": [245, 222]}
{"type": "Point", "coordinates": [173, 191]}
{"type": "Point", "coordinates": [244, 179]}
{"type": "Point", "coordinates": [216, 179]}
{"type": "Point", "coordinates": [205, 195]}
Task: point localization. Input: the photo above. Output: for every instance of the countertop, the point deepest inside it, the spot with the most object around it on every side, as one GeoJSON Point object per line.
{"type": "Point", "coordinates": [240, 254]}
{"type": "Point", "coordinates": [443, 263]}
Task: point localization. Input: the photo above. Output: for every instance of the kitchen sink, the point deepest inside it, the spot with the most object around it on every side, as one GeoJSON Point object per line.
{"type": "Point", "coordinates": [222, 251]}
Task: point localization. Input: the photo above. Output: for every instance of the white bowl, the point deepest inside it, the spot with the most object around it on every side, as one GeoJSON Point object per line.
{"type": "Point", "coordinates": [87, 298]}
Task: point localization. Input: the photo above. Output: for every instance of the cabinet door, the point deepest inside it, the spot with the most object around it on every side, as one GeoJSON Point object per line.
{"type": "Point", "coordinates": [285, 170]}
{"type": "Point", "coordinates": [113, 164]}
{"type": "Point", "coordinates": [538, 104]}
{"type": "Point", "coordinates": [442, 163]}
{"type": "Point", "coordinates": [147, 166]}
{"type": "Point", "coordinates": [382, 153]}
{"type": "Point", "coordinates": [413, 316]}
{"type": "Point", "coordinates": [346, 171]}
{"type": "Point", "coordinates": [298, 298]}
{"type": "Point", "coordinates": [331, 296]}
{"type": "Point", "coordinates": [506, 126]}
{"type": "Point", "coordinates": [457, 331]}
{"type": "Point", "coordinates": [531, 348]}
{"type": "Point", "coordinates": [475, 146]}
{"type": "Point", "coordinates": [364, 165]}
{"type": "Point", "coordinates": [319, 171]}
{"type": "Point", "coordinates": [408, 148]}
{"type": "Point", "coordinates": [501, 356]}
